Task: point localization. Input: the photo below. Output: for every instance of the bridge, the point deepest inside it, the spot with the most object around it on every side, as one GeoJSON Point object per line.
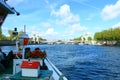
{"type": "Point", "coordinates": [63, 42]}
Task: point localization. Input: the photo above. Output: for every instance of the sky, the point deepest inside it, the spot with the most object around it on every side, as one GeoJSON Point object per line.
{"type": "Point", "coordinates": [63, 19]}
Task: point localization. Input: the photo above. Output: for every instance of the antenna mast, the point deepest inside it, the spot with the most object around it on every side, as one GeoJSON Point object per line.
{"type": "Point", "coordinates": [25, 28]}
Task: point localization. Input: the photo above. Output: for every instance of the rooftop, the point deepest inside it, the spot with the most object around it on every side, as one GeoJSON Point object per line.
{"type": "Point", "coordinates": [5, 8]}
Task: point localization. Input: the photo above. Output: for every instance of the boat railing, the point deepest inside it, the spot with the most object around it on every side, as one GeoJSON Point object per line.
{"type": "Point", "coordinates": [56, 73]}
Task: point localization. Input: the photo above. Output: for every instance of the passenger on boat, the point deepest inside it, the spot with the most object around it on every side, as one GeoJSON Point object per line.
{"type": "Point", "coordinates": [2, 68]}
{"type": "Point", "coordinates": [27, 52]}
{"type": "Point", "coordinates": [10, 55]}
{"type": "Point", "coordinates": [37, 49]}
{"type": "Point", "coordinates": [3, 58]}
{"type": "Point", "coordinates": [1, 55]}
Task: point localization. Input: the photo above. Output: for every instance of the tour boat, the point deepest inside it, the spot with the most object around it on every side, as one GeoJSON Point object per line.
{"type": "Point", "coordinates": [31, 68]}
{"type": "Point", "coordinates": [26, 68]}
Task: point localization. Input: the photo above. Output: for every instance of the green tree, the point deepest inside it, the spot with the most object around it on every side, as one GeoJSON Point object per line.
{"type": "Point", "coordinates": [0, 34]}
{"type": "Point", "coordinates": [20, 33]}
{"type": "Point", "coordinates": [89, 38]}
{"type": "Point", "coordinates": [78, 39]}
{"type": "Point", "coordinates": [98, 36]}
{"type": "Point", "coordinates": [117, 34]}
{"type": "Point", "coordinates": [112, 34]}
{"type": "Point", "coordinates": [4, 37]}
{"type": "Point", "coordinates": [11, 36]}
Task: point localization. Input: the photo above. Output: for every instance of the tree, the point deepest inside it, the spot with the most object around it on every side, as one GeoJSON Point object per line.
{"type": "Point", "coordinates": [98, 36]}
{"type": "Point", "coordinates": [117, 34]}
{"type": "Point", "coordinates": [112, 34]}
{"type": "Point", "coordinates": [20, 33]}
{"type": "Point", "coordinates": [11, 36]}
{"type": "Point", "coordinates": [0, 34]}
{"type": "Point", "coordinates": [4, 37]}
{"type": "Point", "coordinates": [89, 38]}
{"type": "Point", "coordinates": [78, 39]}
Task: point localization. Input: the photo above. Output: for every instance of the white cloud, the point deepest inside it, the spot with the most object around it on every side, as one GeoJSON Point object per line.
{"type": "Point", "coordinates": [111, 11]}
{"type": "Point", "coordinates": [45, 24]}
{"type": "Point", "coordinates": [68, 20]}
{"type": "Point", "coordinates": [64, 11]}
{"type": "Point", "coordinates": [31, 30]}
{"type": "Point", "coordinates": [5, 28]}
{"type": "Point", "coordinates": [62, 17]}
{"type": "Point", "coordinates": [116, 25]}
{"type": "Point", "coordinates": [50, 32]}
{"type": "Point", "coordinates": [65, 16]}
{"type": "Point", "coordinates": [76, 28]}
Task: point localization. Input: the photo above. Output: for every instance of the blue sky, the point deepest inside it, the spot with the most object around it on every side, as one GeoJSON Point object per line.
{"type": "Point", "coordinates": [63, 19]}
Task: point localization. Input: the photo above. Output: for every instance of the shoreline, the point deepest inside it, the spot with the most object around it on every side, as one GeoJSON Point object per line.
{"type": "Point", "coordinates": [13, 43]}
{"type": "Point", "coordinates": [7, 43]}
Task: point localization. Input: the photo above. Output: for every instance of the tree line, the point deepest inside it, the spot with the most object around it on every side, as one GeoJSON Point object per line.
{"type": "Point", "coordinates": [12, 37]}
{"type": "Point", "coordinates": [112, 34]}
{"type": "Point", "coordinates": [83, 38]}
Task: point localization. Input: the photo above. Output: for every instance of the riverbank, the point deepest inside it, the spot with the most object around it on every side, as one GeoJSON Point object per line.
{"type": "Point", "coordinates": [117, 44]}
{"type": "Point", "coordinates": [13, 43]}
{"type": "Point", "coordinates": [7, 43]}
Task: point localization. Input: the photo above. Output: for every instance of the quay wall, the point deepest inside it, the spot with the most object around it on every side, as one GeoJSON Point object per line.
{"type": "Point", "coordinates": [7, 42]}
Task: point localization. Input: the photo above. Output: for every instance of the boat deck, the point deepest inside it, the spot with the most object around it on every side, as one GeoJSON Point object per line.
{"type": "Point", "coordinates": [44, 75]}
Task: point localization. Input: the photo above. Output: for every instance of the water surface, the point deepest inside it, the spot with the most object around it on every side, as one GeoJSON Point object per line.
{"type": "Point", "coordinates": [83, 62]}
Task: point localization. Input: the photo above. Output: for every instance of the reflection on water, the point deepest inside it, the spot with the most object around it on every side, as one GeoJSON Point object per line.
{"type": "Point", "coordinates": [83, 62]}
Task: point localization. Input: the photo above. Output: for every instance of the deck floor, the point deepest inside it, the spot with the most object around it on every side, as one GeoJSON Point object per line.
{"type": "Point", "coordinates": [44, 75]}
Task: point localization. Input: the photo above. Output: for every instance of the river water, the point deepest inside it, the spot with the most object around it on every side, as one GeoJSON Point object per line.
{"type": "Point", "coordinates": [83, 62]}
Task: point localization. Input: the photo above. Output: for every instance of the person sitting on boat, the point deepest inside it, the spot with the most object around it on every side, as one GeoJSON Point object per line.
{"type": "Point", "coordinates": [3, 58]}
{"type": "Point", "coordinates": [2, 55]}
{"type": "Point", "coordinates": [27, 52]}
{"type": "Point", "coordinates": [37, 49]}
{"type": "Point", "coordinates": [10, 55]}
